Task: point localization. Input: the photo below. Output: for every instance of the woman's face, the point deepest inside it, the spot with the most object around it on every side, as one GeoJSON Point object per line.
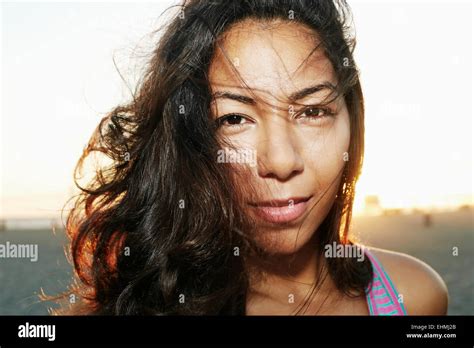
{"type": "Point", "coordinates": [283, 130]}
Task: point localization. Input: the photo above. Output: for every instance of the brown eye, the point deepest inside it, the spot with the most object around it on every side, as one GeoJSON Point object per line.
{"type": "Point", "coordinates": [316, 115]}
{"type": "Point", "coordinates": [314, 112]}
{"type": "Point", "coordinates": [234, 119]}
{"type": "Point", "coordinates": [231, 120]}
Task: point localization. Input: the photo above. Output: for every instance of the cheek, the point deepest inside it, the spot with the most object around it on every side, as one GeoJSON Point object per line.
{"type": "Point", "coordinates": [325, 150]}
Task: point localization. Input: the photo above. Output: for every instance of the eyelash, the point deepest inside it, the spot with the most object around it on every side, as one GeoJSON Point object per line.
{"type": "Point", "coordinates": [327, 113]}
{"type": "Point", "coordinates": [220, 121]}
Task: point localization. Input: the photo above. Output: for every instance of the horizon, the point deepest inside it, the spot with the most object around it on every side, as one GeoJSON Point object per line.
{"type": "Point", "coordinates": [418, 136]}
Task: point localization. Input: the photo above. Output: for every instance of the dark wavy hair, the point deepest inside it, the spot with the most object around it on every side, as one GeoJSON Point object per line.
{"type": "Point", "coordinates": [160, 222]}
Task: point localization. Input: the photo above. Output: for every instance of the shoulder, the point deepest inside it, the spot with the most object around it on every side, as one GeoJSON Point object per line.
{"type": "Point", "coordinates": [424, 291]}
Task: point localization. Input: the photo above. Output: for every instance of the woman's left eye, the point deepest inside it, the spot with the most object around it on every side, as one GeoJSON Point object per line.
{"type": "Point", "coordinates": [316, 112]}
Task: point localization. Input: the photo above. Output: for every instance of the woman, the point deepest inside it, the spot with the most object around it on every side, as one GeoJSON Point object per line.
{"type": "Point", "coordinates": [232, 177]}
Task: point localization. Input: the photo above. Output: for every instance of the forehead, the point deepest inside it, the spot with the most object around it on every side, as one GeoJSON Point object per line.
{"type": "Point", "coordinates": [274, 58]}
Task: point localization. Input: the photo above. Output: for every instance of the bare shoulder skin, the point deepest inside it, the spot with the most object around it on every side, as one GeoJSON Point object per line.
{"type": "Point", "coordinates": [424, 291]}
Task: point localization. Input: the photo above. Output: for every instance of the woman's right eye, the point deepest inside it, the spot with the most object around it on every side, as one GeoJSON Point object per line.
{"type": "Point", "coordinates": [231, 120]}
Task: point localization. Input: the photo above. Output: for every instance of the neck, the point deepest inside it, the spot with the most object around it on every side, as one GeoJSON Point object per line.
{"type": "Point", "coordinates": [276, 277]}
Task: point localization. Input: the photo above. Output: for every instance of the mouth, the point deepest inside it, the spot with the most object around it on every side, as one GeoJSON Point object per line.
{"type": "Point", "coordinates": [281, 211]}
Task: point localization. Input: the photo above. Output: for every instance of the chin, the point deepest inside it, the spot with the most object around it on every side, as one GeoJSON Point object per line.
{"type": "Point", "coordinates": [284, 241]}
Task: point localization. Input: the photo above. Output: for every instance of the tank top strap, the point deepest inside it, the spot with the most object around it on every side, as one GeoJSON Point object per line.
{"type": "Point", "coordinates": [382, 296]}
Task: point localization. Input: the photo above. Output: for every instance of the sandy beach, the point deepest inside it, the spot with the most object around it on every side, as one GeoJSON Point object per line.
{"type": "Point", "coordinates": [22, 278]}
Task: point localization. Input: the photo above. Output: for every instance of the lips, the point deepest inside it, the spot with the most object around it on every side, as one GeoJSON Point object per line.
{"type": "Point", "coordinates": [280, 211]}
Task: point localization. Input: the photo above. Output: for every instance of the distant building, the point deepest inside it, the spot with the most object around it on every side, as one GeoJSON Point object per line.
{"type": "Point", "coordinates": [372, 205]}
{"type": "Point", "coordinates": [31, 224]}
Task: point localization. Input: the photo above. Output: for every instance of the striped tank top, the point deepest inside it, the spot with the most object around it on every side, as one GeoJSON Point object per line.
{"type": "Point", "coordinates": [382, 297]}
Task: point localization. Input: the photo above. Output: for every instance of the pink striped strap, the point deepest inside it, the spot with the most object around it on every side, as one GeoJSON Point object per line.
{"type": "Point", "coordinates": [382, 296]}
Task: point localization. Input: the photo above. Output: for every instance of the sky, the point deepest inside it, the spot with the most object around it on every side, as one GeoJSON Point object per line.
{"type": "Point", "coordinates": [59, 78]}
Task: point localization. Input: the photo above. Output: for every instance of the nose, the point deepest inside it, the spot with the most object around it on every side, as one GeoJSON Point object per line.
{"type": "Point", "coordinates": [278, 152]}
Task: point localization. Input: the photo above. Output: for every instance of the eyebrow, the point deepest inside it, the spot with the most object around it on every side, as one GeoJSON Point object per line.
{"type": "Point", "coordinates": [237, 97]}
{"type": "Point", "coordinates": [293, 97]}
{"type": "Point", "coordinates": [311, 90]}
